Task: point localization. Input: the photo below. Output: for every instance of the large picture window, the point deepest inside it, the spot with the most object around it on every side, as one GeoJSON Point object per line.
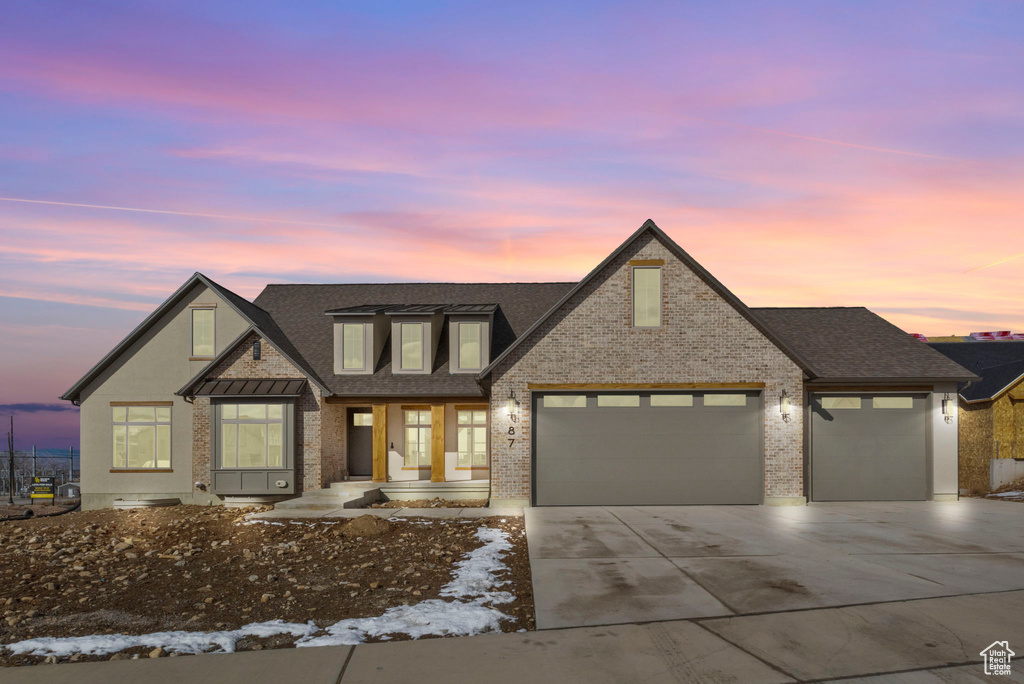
{"type": "Point", "coordinates": [252, 435]}
{"type": "Point", "coordinates": [202, 332]}
{"type": "Point", "coordinates": [472, 438]}
{"type": "Point", "coordinates": [647, 297]}
{"type": "Point", "coordinates": [142, 437]}
{"type": "Point", "coordinates": [417, 438]}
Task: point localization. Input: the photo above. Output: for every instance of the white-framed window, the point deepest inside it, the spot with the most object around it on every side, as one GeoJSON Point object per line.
{"type": "Point", "coordinates": [725, 399]}
{"type": "Point", "coordinates": [618, 400]}
{"type": "Point", "coordinates": [417, 437]}
{"type": "Point", "coordinates": [838, 403]}
{"type": "Point", "coordinates": [565, 401]}
{"type": "Point", "coordinates": [252, 435]}
{"type": "Point", "coordinates": [353, 346]}
{"type": "Point", "coordinates": [142, 437]}
{"type": "Point", "coordinates": [472, 428]}
{"type": "Point", "coordinates": [203, 332]}
{"type": "Point", "coordinates": [412, 346]}
{"type": "Point", "coordinates": [671, 400]}
{"type": "Point", "coordinates": [646, 296]}
{"type": "Point", "coordinates": [470, 346]}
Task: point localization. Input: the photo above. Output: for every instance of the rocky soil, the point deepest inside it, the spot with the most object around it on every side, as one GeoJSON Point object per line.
{"type": "Point", "coordinates": [200, 569]}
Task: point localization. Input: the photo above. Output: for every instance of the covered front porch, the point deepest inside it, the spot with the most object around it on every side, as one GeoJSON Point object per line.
{"type": "Point", "coordinates": [413, 441]}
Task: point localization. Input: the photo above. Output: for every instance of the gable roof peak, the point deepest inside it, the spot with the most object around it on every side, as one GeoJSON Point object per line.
{"type": "Point", "coordinates": [649, 226]}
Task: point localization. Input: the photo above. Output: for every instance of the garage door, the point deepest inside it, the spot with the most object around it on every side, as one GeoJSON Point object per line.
{"type": "Point", "coordinates": [868, 448]}
{"type": "Point", "coordinates": [648, 449]}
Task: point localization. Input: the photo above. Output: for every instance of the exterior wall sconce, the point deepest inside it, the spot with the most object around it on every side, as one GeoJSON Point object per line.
{"type": "Point", "coordinates": [513, 403]}
{"type": "Point", "coordinates": [784, 406]}
{"type": "Point", "coordinates": [947, 408]}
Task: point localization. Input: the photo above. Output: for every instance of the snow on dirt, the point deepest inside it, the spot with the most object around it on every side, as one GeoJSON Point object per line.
{"type": "Point", "coordinates": [474, 581]}
{"type": "Point", "coordinates": [473, 588]}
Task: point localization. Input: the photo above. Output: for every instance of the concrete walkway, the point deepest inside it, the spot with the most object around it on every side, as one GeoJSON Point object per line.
{"type": "Point", "coordinates": [916, 641]}
{"type": "Point", "coordinates": [599, 566]}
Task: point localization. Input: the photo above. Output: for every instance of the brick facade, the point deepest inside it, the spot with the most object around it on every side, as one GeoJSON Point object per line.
{"type": "Point", "coordinates": [703, 339]}
{"type": "Point", "coordinates": [317, 464]}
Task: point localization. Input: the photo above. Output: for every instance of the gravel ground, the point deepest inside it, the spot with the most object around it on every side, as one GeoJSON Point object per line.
{"type": "Point", "coordinates": [430, 503]}
{"type": "Point", "coordinates": [201, 569]}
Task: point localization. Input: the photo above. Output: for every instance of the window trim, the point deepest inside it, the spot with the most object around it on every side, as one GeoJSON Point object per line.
{"type": "Point", "coordinates": [633, 296]}
{"type": "Point", "coordinates": [473, 426]}
{"type": "Point", "coordinates": [362, 367]}
{"type": "Point", "coordinates": [420, 427]}
{"type": "Point", "coordinates": [401, 346]}
{"type": "Point", "coordinates": [285, 436]}
{"type": "Point", "coordinates": [479, 344]}
{"type": "Point", "coordinates": [192, 322]}
{"type": "Point", "coordinates": [155, 468]}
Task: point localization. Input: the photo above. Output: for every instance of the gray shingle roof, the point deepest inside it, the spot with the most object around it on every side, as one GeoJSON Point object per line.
{"type": "Point", "coordinates": [853, 343]}
{"type": "Point", "coordinates": [1000, 365]}
{"type": "Point", "coordinates": [298, 310]}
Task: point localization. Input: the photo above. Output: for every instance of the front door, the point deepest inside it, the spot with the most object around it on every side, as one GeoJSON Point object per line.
{"type": "Point", "coordinates": [360, 442]}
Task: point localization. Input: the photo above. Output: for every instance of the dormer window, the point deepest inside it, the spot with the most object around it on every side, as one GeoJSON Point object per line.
{"type": "Point", "coordinates": [470, 336]}
{"type": "Point", "coordinates": [353, 346]}
{"type": "Point", "coordinates": [412, 346]}
{"type": "Point", "coordinates": [359, 335]}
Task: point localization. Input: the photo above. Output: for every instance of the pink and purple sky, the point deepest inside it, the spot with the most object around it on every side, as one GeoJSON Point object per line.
{"type": "Point", "coordinates": [807, 153]}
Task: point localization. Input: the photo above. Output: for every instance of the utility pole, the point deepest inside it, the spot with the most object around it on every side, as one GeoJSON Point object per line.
{"type": "Point", "coordinates": [33, 461]}
{"type": "Point", "coordinates": [10, 449]}
{"type": "Point", "coordinates": [71, 464]}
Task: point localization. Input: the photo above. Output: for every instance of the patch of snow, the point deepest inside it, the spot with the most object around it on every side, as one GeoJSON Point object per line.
{"type": "Point", "coordinates": [180, 641]}
{"type": "Point", "coordinates": [262, 522]}
{"type": "Point", "coordinates": [1008, 494]}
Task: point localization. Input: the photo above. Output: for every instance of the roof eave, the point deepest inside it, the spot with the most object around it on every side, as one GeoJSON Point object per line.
{"type": "Point", "coordinates": [889, 380]}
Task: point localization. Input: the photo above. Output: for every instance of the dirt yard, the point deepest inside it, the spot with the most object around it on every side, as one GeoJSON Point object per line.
{"type": "Point", "coordinates": [208, 569]}
{"type": "Point", "coordinates": [430, 503]}
{"type": "Point", "coordinates": [38, 509]}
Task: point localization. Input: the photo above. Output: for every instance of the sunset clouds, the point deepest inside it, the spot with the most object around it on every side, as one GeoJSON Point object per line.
{"type": "Point", "coordinates": [817, 153]}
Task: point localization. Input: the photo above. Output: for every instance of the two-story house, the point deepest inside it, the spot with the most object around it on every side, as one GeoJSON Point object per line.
{"type": "Point", "coordinates": [648, 382]}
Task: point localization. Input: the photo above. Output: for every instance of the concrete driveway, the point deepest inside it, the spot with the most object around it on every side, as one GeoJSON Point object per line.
{"type": "Point", "coordinates": [613, 565]}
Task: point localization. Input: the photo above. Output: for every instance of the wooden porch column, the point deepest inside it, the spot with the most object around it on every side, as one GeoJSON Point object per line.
{"type": "Point", "coordinates": [437, 443]}
{"type": "Point", "coordinates": [380, 443]}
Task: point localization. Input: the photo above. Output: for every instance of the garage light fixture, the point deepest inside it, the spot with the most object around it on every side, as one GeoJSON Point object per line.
{"type": "Point", "coordinates": [947, 408]}
{"type": "Point", "coordinates": [784, 407]}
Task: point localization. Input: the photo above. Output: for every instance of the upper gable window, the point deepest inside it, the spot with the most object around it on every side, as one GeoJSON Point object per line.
{"type": "Point", "coordinates": [412, 346]}
{"type": "Point", "coordinates": [353, 346]}
{"type": "Point", "coordinates": [647, 297]}
{"type": "Point", "coordinates": [469, 346]}
{"type": "Point", "coordinates": [203, 332]}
